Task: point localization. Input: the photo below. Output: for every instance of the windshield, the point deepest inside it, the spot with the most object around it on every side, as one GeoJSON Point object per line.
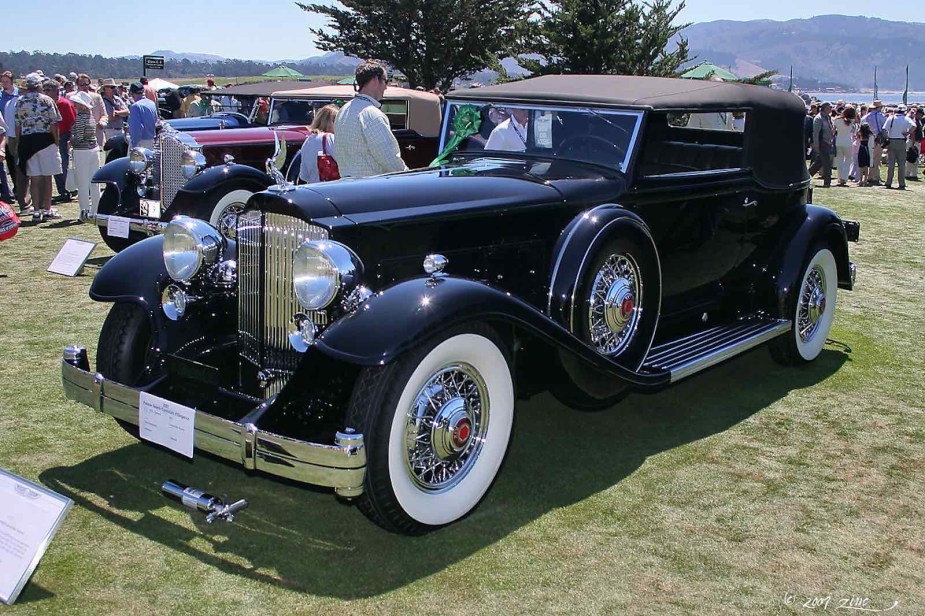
{"type": "Point", "coordinates": [600, 136]}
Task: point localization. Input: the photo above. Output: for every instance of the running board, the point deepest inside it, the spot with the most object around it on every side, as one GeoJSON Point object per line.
{"type": "Point", "coordinates": [691, 354]}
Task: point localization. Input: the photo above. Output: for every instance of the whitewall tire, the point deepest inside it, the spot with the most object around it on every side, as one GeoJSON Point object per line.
{"type": "Point", "coordinates": [438, 424]}
{"type": "Point", "coordinates": [231, 203]}
{"type": "Point", "coordinates": [812, 311]}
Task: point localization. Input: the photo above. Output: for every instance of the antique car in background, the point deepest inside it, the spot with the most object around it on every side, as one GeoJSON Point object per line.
{"type": "Point", "coordinates": [232, 107]}
{"type": "Point", "coordinates": [210, 174]}
{"type": "Point", "coordinates": [372, 335]}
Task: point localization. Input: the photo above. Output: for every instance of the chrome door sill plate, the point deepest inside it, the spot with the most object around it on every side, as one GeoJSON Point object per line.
{"type": "Point", "coordinates": [689, 355]}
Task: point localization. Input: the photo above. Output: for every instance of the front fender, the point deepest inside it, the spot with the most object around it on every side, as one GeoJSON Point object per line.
{"type": "Point", "coordinates": [116, 172]}
{"type": "Point", "coordinates": [407, 313]}
{"type": "Point", "coordinates": [199, 195]}
{"type": "Point", "coordinates": [133, 275]}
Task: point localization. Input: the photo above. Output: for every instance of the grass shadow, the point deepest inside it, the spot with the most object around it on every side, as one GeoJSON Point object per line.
{"type": "Point", "coordinates": [306, 541]}
{"type": "Point", "coordinates": [33, 593]}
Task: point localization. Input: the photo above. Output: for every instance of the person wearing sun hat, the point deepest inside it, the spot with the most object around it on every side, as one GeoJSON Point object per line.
{"type": "Point", "coordinates": [116, 109]}
{"type": "Point", "coordinates": [37, 120]}
{"type": "Point", "coordinates": [875, 120]}
{"type": "Point", "coordinates": [85, 152]}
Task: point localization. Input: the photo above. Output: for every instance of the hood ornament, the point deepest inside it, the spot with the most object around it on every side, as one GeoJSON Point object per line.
{"type": "Point", "coordinates": [275, 166]}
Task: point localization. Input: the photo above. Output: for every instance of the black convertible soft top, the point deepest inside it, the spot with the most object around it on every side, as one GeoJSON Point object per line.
{"type": "Point", "coordinates": [774, 142]}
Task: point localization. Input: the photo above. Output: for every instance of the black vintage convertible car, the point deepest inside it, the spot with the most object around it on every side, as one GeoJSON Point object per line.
{"type": "Point", "coordinates": [589, 235]}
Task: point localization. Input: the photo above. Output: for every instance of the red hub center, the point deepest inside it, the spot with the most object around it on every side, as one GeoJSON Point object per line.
{"type": "Point", "coordinates": [627, 306]}
{"type": "Point", "coordinates": [461, 432]}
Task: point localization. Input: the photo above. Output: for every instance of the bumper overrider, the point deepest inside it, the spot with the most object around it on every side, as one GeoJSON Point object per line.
{"type": "Point", "coordinates": [341, 466]}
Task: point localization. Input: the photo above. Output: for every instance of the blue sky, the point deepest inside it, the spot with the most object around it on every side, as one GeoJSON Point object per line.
{"type": "Point", "coordinates": [271, 29]}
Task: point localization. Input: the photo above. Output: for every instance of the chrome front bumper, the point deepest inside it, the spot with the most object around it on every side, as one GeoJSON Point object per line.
{"type": "Point", "coordinates": [341, 466]}
{"type": "Point", "coordinates": [147, 226]}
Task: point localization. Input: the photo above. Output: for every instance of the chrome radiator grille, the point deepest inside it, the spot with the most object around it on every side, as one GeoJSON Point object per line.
{"type": "Point", "coordinates": [266, 301]}
{"type": "Point", "coordinates": [168, 150]}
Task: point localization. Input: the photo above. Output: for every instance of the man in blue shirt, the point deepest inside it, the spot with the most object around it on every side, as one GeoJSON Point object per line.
{"type": "Point", "coordinates": [142, 119]}
{"type": "Point", "coordinates": [876, 120]}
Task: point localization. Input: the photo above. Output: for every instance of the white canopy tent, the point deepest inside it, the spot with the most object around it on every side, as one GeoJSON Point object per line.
{"type": "Point", "coordinates": [159, 84]}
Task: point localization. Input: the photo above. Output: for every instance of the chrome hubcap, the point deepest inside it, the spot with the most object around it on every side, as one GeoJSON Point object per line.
{"type": "Point", "coordinates": [812, 304]}
{"type": "Point", "coordinates": [446, 427]}
{"type": "Point", "coordinates": [615, 304]}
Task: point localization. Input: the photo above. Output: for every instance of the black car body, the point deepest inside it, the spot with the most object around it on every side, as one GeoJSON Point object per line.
{"type": "Point", "coordinates": [619, 249]}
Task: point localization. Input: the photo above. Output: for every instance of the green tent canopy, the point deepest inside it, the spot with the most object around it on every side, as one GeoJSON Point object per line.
{"type": "Point", "coordinates": [347, 81]}
{"type": "Point", "coordinates": [705, 70]}
{"type": "Point", "coordinates": [283, 71]}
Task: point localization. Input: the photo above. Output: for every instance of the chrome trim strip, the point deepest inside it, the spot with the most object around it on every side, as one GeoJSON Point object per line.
{"type": "Point", "coordinates": [342, 467]}
{"type": "Point", "coordinates": [148, 226]}
{"type": "Point", "coordinates": [697, 352]}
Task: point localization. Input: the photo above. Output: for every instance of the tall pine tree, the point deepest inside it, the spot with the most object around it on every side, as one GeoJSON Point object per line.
{"type": "Point", "coordinates": [432, 42]}
{"type": "Point", "coordinates": [606, 37]}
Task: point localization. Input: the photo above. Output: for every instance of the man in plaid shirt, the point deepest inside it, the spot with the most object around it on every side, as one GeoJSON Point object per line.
{"type": "Point", "coordinates": [365, 143]}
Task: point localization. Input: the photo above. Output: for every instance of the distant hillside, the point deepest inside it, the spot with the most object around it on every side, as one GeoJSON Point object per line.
{"type": "Point", "coordinates": [826, 48]}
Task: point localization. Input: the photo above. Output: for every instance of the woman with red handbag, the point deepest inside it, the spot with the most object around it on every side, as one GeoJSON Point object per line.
{"type": "Point", "coordinates": [319, 162]}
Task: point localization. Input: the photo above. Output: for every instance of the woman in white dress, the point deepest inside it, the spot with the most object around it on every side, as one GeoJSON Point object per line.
{"type": "Point", "coordinates": [845, 134]}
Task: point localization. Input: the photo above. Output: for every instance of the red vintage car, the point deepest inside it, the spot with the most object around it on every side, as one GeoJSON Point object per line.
{"type": "Point", "coordinates": [210, 174]}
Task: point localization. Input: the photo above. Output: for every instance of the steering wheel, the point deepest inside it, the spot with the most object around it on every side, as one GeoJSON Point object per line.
{"type": "Point", "coordinates": [592, 148]}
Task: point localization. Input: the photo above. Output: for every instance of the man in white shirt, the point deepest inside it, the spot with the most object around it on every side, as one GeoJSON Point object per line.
{"type": "Point", "coordinates": [875, 120]}
{"type": "Point", "coordinates": [365, 143]}
{"type": "Point", "coordinates": [898, 127]}
{"type": "Point", "coordinates": [511, 134]}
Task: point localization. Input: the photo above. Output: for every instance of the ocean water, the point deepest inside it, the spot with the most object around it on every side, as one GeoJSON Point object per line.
{"type": "Point", "coordinates": [888, 98]}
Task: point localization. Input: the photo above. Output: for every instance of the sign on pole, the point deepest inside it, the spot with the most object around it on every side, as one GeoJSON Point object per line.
{"type": "Point", "coordinates": [152, 62]}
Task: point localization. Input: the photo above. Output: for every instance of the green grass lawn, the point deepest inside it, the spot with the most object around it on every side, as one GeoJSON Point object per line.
{"type": "Point", "coordinates": [720, 495]}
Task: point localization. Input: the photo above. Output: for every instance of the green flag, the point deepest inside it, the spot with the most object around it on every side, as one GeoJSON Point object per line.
{"type": "Point", "coordinates": [790, 87]}
{"type": "Point", "coordinates": [906, 91]}
{"type": "Point", "coordinates": [875, 83]}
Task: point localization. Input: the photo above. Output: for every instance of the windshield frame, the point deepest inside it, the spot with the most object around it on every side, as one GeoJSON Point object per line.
{"type": "Point", "coordinates": [597, 110]}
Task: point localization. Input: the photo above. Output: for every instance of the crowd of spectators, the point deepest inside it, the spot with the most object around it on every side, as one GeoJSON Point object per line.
{"type": "Point", "coordinates": [853, 140]}
{"type": "Point", "coordinates": [55, 127]}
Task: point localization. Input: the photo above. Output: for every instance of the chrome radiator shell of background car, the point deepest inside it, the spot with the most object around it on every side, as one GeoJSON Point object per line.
{"type": "Point", "coordinates": [169, 176]}
{"type": "Point", "coordinates": [266, 300]}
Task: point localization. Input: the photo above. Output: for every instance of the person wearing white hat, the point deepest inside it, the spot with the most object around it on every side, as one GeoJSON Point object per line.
{"type": "Point", "coordinates": [86, 153]}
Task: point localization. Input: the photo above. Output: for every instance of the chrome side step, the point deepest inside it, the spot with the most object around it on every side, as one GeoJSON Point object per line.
{"type": "Point", "coordinates": [691, 354]}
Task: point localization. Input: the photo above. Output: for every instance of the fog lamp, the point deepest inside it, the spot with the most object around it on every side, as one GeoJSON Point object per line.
{"type": "Point", "coordinates": [302, 332]}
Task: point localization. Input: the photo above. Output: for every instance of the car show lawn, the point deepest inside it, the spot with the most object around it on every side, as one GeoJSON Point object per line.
{"type": "Point", "coordinates": [752, 488]}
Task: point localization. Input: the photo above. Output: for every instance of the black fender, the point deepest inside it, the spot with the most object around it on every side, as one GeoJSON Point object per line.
{"type": "Point", "coordinates": [137, 275]}
{"type": "Point", "coordinates": [117, 172]}
{"type": "Point", "coordinates": [402, 316]}
{"type": "Point", "coordinates": [786, 258]}
{"type": "Point", "coordinates": [198, 196]}
{"type": "Point", "coordinates": [578, 243]}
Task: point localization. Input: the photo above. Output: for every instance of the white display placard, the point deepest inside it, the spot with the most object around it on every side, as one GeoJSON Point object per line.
{"type": "Point", "coordinates": [71, 258]}
{"type": "Point", "coordinates": [30, 515]}
{"type": "Point", "coordinates": [117, 226]}
{"type": "Point", "coordinates": [167, 423]}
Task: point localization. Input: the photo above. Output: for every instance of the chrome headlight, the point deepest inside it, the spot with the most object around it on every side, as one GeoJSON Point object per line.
{"type": "Point", "coordinates": [321, 270]}
{"type": "Point", "coordinates": [191, 163]}
{"type": "Point", "coordinates": [190, 244]}
{"type": "Point", "coordinates": [139, 159]}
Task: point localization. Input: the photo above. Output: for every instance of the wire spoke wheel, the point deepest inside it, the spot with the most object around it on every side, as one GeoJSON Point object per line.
{"type": "Point", "coordinates": [812, 303]}
{"type": "Point", "coordinates": [446, 428]}
{"type": "Point", "coordinates": [615, 304]}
